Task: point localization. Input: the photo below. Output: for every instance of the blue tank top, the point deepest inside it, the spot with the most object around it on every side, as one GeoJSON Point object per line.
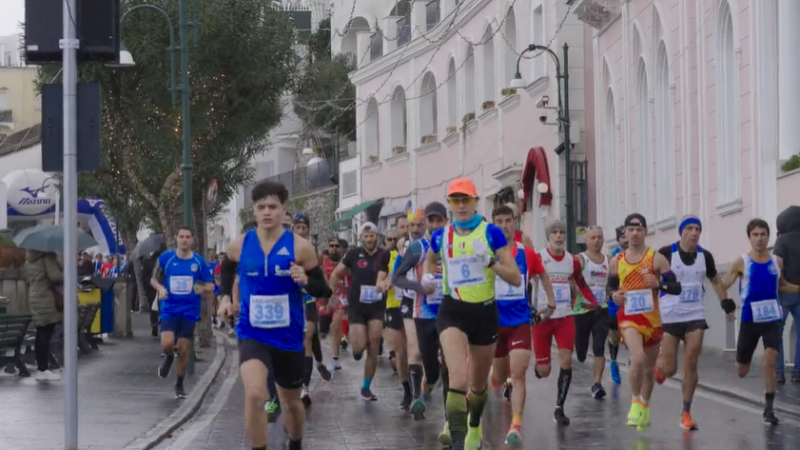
{"type": "Point", "coordinates": [758, 288]}
{"type": "Point", "coordinates": [427, 305]}
{"type": "Point", "coordinates": [512, 302]}
{"type": "Point", "coordinates": [272, 304]}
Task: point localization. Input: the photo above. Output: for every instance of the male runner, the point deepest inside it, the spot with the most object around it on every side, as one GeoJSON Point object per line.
{"type": "Point", "coordinates": [368, 266]}
{"type": "Point", "coordinates": [760, 280]}
{"type": "Point", "coordinates": [613, 324]}
{"type": "Point", "coordinates": [301, 226]}
{"type": "Point", "coordinates": [338, 303]}
{"type": "Point", "coordinates": [473, 253]}
{"type": "Point", "coordinates": [519, 236]}
{"type": "Point", "coordinates": [345, 324]}
{"type": "Point", "coordinates": [593, 322]}
{"type": "Point", "coordinates": [395, 330]}
{"type": "Point", "coordinates": [634, 284]}
{"type": "Point", "coordinates": [180, 277]}
{"type": "Point", "coordinates": [683, 316]}
{"type": "Point", "coordinates": [275, 266]}
{"type": "Point", "coordinates": [513, 353]}
{"type": "Point", "coordinates": [563, 269]}
{"type": "Point", "coordinates": [402, 227]}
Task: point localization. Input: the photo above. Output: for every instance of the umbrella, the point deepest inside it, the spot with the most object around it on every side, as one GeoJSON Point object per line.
{"type": "Point", "coordinates": [50, 238]}
{"type": "Point", "coordinates": [153, 244]}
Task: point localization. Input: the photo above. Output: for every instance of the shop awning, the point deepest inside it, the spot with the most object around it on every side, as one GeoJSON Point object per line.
{"type": "Point", "coordinates": [345, 222]}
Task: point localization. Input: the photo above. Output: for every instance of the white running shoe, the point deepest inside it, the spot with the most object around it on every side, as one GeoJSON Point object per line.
{"type": "Point", "coordinates": [47, 375]}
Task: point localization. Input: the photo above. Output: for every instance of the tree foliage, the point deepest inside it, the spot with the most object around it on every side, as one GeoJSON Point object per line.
{"type": "Point", "coordinates": [241, 63]}
{"type": "Point", "coordinates": [319, 44]}
{"type": "Point", "coordinates": [325, 97]}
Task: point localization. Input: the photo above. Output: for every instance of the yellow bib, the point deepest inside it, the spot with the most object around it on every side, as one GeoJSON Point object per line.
{"type": "Point", "coordinates": [465, 276]}
{"type": "Point", "coordinates": [392, 300]}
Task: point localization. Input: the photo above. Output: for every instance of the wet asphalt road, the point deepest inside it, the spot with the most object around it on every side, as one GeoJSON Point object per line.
{"type": "Point", "coordinates": [339, 419]}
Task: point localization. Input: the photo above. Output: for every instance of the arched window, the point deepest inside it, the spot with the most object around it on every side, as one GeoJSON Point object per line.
{"type": "Point", "coordinates": [644, 192]}
{"type": "Point", "coordinates": [510, 47]}
{"type": "Point", "coordinates": [727, 68]}
{"type": "Point", "coordinates": [428, 114]}
{"type": "Point", "coordinates": [612, 165]}
{"type": "Point", "coordinates": [372, 131]}
{"type": "Point", "coordinates": [665, 130]}
{"type": "Point", "coordinates": [488, 69]}
{"type": "Point", "coordinates": [452, 96]}
{"type": "Point", "coordinates": [399, 121]}
{"type": "Point", "coordinates": [469, 82]}
{"type": "Point", "coordinates": [350, 38]}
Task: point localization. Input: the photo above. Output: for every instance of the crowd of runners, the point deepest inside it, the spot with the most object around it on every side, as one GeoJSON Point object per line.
{"type": "Point", "coordinates": [463, 301]}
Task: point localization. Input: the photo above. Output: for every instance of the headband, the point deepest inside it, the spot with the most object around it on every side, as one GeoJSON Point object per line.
{"type": "Point", "coordinates": [689, 221]}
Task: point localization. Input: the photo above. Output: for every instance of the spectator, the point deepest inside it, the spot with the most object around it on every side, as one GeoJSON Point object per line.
{"type": "Point", "coordinates": [148, 264]}
{"type": "Point", "coordinates": [98, 264]}
{"type": "Point", "coordinates": [787, 246]}
{"type": "Point", "coordinates": [45, 276]}
{"type": "Point", "coordinates": [85, 265]}
{"type": "Point", "coordinates": [109, 267]}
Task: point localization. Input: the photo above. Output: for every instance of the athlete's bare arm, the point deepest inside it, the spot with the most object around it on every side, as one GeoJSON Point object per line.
{"type": "Point", "coordinates": [660, 264]}
{"type": "Point", "coordinates": [234, 253]}
{"type": "Point", "coordinates": [547, 287]}
{"type": "Point", "coordinates": [526, 241]}
{"type": "Point", "coordinates": [785, 286]}
{"type": "Point", "coordinates": [431, 261]}
{"type": "Point", "coordinates": [617, 294]}
{"type": "Point", "coordinates": [737, 268]}
{"type": "Point", "coordinates": [506, 268]}
{"type": "Point", "coordinates": [336, 275]}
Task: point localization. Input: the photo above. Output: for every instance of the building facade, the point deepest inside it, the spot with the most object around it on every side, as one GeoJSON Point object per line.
{"type": "Point", "coordinates": [20, 103]}
{"type": "Point", "coordinates": [434, 102]}
{"type": "Point", "coordinates": [696, 113]}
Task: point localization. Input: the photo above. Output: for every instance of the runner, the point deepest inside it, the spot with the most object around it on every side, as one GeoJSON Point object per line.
{"type": "Point", "coordinates": [613, 324]}
{"type": "Point", "coordinates": [683, 316]}
{"type": "Point", "coordinates": [366, 306]}
{"type": "Point", "coordinates": [513, 353]}
{"type": "Point", "coordinates": [337, 304]}
{"type": "Point", "coordinates": [563, 269]}
{"type": "Point", "coordinates": [593, 322]}
{"type": "Point", "coordinates": [275, 266]}
{"type": "Point", "coordinates": [519, 236]}
{"type": "Point", "coordinates": [473, 253]}
{"type": "Point", "coordinates": [633, 280]}
{"type": "Point", "coordinates": [180, 277]}
{"type": "Point", "coordinates": [394, 326]}
{"type": "Point", "coordinates": [760, 280]}
{"type": "Point", "coordinates": [345, 324]}
{"type": "Point", "coordinates": [301, 226]}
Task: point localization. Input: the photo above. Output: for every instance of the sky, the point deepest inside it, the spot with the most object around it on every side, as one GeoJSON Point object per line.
{"type": "Point", "coordinates": [12, 12]}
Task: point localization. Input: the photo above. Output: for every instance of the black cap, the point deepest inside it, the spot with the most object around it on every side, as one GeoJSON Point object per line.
{"type": "Point", "coordinates": [301, 217]}
{"type": "Point", "coordinates": [436, 209]}
{"type": "Point", "coordinates": [620, 232]}
{"type": "Point", "coordinates": [635, 220]}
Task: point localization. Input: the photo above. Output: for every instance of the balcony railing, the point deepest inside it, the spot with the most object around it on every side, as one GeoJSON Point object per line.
{"type": "Point", "coordinates": [6, 116]}
{"type": "Point", "coordinates": [403, 31]}
{"type": "Point", "coordinates": [432, 14]}
{"type": "Point", "coordinates": [375, 45]}
{"type": "Point", "coordinates": [304, 180]}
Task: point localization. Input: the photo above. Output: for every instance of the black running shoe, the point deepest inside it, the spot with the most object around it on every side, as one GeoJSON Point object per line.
{"type": "Point", "coordinates": [507, 388]}
{"type": "Point", "coordinates": [179, 391]}
{"type": "Point", "coordinates": [780, 378]}
{"type": "Point", "coordinates": [166, 364]}
{"type": "Point", "coordinates": [324, 372]}
{"type": "Point", "coordinates": [598, 392]}
{"type": "Point", "coordinates": [367, 395]}
{"type": "Point", "coordinates": [154, 330]}
{"type": "Point", "coordinates": [769, 417]}
{"type": "Point", "coordinates": [305, 397]}
{"type": "Point", "coordinates": [405, 405]}
{"type": "Point", "coordinates": [560, 418]}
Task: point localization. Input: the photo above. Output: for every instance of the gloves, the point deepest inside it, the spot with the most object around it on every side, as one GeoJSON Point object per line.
{"type": "Point", "coordinates": [728, 305]}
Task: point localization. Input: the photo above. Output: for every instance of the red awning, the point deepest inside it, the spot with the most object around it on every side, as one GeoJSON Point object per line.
{"type": "Point", "coordinates": [536, 168]}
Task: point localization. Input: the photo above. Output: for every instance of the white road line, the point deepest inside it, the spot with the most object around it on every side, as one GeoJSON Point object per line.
{"type": "Point", "coordinates": [204, 421]}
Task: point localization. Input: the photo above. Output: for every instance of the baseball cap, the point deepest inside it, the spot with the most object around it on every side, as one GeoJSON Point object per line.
{"type": "Point", "coordinates": [635, 220]}
{"type": "Point", "coordinates": [620, 231]}
{"type": "Point", "coordinates": [462, 186]}
{"type": "Point", "coordinates": [301, 217]}
{"type": "Point", "coordinates": [436, 209]}
{"type": "Point", "coordinates": [368, 227]}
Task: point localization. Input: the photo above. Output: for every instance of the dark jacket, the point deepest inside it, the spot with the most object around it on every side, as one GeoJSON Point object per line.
{"type": "Point", "coordinates": [42, 272]}
{"type": "Point", "coordinates": [787, 246]}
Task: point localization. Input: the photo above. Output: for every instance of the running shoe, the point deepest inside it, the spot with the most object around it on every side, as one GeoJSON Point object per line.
{"type": "Point", "coordinates": [474, 439]}
{"type": "Point", "coordinates": [598, 392]}
{"type": "Point", "coordinates": [166, 364]}
{"type": "Point", "coordinates": [644, 418]}
{"type": "Point", "coordinates": [444, 437]}
{"type": "Point", "coordinates": [560, 418]}
{"type": "Point", "coordinates": [367, 395]}
{"type": "Point", "coordinates": [405, 404]}
{"type": "Point", "coordinates": [324, 372]}
{"type": "Point", "coordinates": [514, 436]}
{"type": "Point", "coordinates": [337, 365]}
{"type": "Point", "coordinates": [614, 373]}
{"type": "Point", "coordinates": [418, 409]}
{"type": "Point", "coordinates": [635, 413]}
{"type": "Point", "coordinates": [344, 343]}
{"type": "Point", "coordinates": [305, 396]}
{"type": "Point", "coordinates": [508, 386]}
{"type": "Point", "coordinates": [179, 391]}
{"type": "Point", "coordinates": [780, 378]}
{"type": "Point", "coordinates": [659, 375]}
{"type": "Point", "coordinates": [769, 417]}
{"type": "Point", "coordinates": [686, 421]}
{"type": "Point", "coordinates": [273, 410]}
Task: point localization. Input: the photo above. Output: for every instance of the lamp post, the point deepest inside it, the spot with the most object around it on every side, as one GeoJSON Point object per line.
{"type": "Point", "coordinates": [563, 120]}
{"type": "Point", "coordinates": [57, 218]}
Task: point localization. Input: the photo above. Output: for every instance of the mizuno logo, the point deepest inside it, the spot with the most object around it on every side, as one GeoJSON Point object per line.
{"type": "Point", "coordinates": [283, 252]}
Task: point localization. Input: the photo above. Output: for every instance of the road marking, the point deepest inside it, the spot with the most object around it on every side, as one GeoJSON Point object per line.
{"type": "Point", "coordinates": [204, 421]}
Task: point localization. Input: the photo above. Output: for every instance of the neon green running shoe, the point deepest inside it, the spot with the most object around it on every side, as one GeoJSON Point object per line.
{"type": "Point", "coordinates": [474, 439]}
{"type": "Point", "coordinates": [444, 437]}
{"type": "Point", "coordinates": [635, 414]}
{"type": "Point", "coordinates": [644, 419]}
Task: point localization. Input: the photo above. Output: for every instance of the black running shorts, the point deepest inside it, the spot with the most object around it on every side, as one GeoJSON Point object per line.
{"type": "Point", "coordinates": [681, 329]}
{"type": "Point", "coordinates": [750, 333]}
{"type": "Point", "coordinates": [394, 319]}
{"type": "Point", "coordinates": [594, 325]}
{"type": "Point", "coordinates": [363, 313]}
{"type": "Point", "coordinates": [288, 367]}
{"type": "Point", "coordinates": [479, 321]}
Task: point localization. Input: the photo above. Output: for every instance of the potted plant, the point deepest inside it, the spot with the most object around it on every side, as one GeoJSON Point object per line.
{"type": "Point", "coordinates": [487, 105]}
{"type": "Point", "coordinates": [451, 129]}
{"type": "Point", "coordinates": [508, 92]}
{"type": "Point", "coordinates": [372, 159]}
{"type": "Point", "coordinates": [400, 149]}
{"type": "Point", "coordinates": [468, 117]}
{"type": "Point", "coordinates": [428, 139]}
{"type": "Point", "coordinates": [791, 164]}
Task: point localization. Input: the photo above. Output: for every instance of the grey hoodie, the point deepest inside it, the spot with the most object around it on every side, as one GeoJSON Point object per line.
{"type": "Point", "coordinates": [787, 246]}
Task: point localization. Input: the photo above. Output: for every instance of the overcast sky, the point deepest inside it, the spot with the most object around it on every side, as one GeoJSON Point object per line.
{"type": "Point", "coordinates": [12, 12]}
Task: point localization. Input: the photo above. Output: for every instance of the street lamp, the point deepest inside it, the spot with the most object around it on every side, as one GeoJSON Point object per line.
{"type": "Point", "coordinates": [563, 120]}
{"type": "Point", "coordinates": [57, 196]}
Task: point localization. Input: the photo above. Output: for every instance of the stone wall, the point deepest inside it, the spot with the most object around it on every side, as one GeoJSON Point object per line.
{"type": "Point", "coordinates": [321, 209]}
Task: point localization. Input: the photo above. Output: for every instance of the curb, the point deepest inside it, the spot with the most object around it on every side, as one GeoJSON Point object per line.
{"type": "Point", "coordinates": [188, 408]}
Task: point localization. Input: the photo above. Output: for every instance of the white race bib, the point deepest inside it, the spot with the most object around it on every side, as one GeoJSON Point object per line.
{"type": "Point", "coordinates": [639, 301]}
{"type": "Point", "coordinates": [370, 294]}
{"type": "Point", "coordinates": [343, 300]}
{"type": "Point", "coordinates": [181, 285]}
{"type": "Point", "coordinates": [599, 294]}
{"type": "Point", "coordinates": [436, 297]}
{"type": "Point", "coordinates": [465, 271]}
{"type": "Point", "coordinates": [691, 294]}
{"type": "Point", "coordinates": [563, 295]}
{"type": "Point", "coordinates": [766, 311]}
{"type": "Point", "coordinates": [269, 311]}
{"type": "Point", "coordinates": [505, 291]}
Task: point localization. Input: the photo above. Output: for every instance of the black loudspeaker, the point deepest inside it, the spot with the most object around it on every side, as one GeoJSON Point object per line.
{"type": "Point", "coordinates": [97, 23]}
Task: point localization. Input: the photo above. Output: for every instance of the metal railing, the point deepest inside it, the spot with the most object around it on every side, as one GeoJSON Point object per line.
{"type": "Point", "coordinates": [6, 116]}
{"type": "Point", "coordinates": [433, 14]}
{"type": "Point", "coordinates": [375, 45]}
{"type": "Point", "coordinates": [303, 180]}
{"type": "Point", "coordinates": [403, 30]}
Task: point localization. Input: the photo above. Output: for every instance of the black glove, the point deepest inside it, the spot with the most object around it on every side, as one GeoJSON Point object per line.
{"type": "Point", "coordinates": [728, 305]}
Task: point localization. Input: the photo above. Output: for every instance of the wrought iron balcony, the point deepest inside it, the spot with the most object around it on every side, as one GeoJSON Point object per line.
{"type": "Point", "coordinates": [598, 13]}
{"type": "Point", "coordinates": [433, 14]}
{"type": "Point", "coordinates": [6, 116]}
{"type": "Point", "coordinates": [403, 31]}
{"type": "Point", "coordinates": [306, 179]}
{"type": "Point", "coordinates": [375, 45]}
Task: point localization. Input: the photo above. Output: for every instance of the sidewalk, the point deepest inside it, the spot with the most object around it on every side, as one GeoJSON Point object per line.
{"type": "Point", "coordinates": [717, 374]}
{"type": "Point", "coordinates": [120, 397]}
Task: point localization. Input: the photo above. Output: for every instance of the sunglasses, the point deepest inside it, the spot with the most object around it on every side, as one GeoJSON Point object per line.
{"type": "Point", "coordinates": [456, 201]}
{"type": "Point", "coordinates": [333, 245]}
{"type": "Point", "coordinates": [391, 239]}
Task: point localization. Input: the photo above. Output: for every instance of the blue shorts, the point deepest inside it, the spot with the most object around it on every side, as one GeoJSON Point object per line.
{"type": "Point", "coordinates": [182, 327]}
{"type": "Point", "coordinates": [612, 308]}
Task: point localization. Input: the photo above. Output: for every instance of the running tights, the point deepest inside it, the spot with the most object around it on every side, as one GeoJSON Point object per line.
{"type": "Point", "coordinates": [273, 391]}
{"type": "Point", "coordinates": [430, 351]}
{"type": "Point", "coordinates": [316, 347]}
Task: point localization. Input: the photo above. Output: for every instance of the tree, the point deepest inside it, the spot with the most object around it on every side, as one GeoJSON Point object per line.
{"type": "Point", "coordinates": [319, 44]}
{"type": "Point", "coordinates": [240, 65]}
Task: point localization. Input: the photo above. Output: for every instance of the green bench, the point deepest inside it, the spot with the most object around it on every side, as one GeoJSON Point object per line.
{"type": "Point", "coordinates": [13, 328]}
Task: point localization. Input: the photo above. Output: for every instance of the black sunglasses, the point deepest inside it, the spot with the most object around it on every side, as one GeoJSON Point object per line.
{"type": "Point", "coordinates": [391, 239]}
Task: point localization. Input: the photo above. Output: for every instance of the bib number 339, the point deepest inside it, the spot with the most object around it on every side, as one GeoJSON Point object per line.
{"type": "Point", "coordinates": [639, 301]}
{"type": "Point", "coordinates": [766, 311]}
{"type": "Point", "coordinates": [269, 311]}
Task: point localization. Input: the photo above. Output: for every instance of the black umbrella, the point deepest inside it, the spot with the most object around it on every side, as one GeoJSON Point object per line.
{"type": "Point", "coordinates": [153, 244]}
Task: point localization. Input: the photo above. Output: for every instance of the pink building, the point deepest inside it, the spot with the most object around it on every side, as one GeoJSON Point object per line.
{"type": "Point", "coordinates": [434, 104]}
{"type": "Point", "coordinates": [697, 111]}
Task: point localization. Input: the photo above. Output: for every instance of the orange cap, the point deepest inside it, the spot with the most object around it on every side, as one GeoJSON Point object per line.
{"type": "Point", "coordinates": [462, 186]}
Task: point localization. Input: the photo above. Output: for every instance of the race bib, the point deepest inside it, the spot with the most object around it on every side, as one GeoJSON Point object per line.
{"type": "Point", "coordinates": [639, 301]}
{"type": "Point", "coordinates": [436, 297]}
{"type": "Point", "coordinates": [181, 285]}
{"type": "Point", "coordinates": [269, 311]}
{"type": "Point", "coordinates": [691, 294]}
{"type": "Point", "coordinates": [370, 294]}
{"type": "Point", "coordinates": [465, 271]}
{"type": "Point", "coordinates": [599, 294]}
{"type": "Point", "coordinates": [563, 295]}
{"type": "Point", "coordinates": [505, 291]}
{"type": "Point", "coordinates": [343, 300]}
{"type": "Point", "coordinates": [766, 311]}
